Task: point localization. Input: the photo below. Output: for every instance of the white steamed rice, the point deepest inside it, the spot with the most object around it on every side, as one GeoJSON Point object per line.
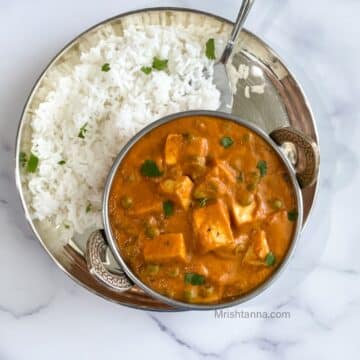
{"type": "Point", "coordinates": [114, 105]}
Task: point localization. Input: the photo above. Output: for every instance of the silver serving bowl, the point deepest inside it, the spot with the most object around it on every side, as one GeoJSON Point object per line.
{"type": "Point", "coordinates": [305, 176]}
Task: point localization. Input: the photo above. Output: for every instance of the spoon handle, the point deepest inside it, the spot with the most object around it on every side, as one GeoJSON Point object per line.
{"type": "Point", "coordinates": [243, 14]}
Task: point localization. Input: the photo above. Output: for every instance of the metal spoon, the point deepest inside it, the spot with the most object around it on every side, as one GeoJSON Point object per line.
{"type": "Point", "coordinates": [221, 78]}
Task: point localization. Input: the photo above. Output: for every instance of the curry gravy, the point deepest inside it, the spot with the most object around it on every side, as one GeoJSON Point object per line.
{"type": "Point", "coordinates": [202, 209]}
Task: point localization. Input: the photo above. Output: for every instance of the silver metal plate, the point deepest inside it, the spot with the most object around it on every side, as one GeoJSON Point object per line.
{"type": "Point", "coordinates": [283, 103]}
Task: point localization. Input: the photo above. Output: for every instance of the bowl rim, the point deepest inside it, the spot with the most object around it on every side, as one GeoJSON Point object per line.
{"type": "Point", "coordinates": [114, 246]}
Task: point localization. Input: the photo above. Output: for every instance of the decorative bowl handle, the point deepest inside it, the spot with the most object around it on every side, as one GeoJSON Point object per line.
{"type": "Point", "coordinates": [308, 162]}
{"type": "Point", "coordinates": [95, 251]}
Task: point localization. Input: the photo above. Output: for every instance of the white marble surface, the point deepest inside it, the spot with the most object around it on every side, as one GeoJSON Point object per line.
{"type": "Point", "coordinates": [44, 314]}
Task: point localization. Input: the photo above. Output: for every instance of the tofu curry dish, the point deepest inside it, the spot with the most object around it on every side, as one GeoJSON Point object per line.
{"type": "Point", "coordinates": [202, 209]}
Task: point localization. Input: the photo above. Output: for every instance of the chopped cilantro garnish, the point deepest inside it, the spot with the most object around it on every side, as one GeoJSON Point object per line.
{"type": "Point", "coordinates": [210, 49]}
{"type": "Point", "coordinates": [159, 64]}
{"type": "Point", "coordinates": [168, 207]}
{"type": "Point", "coordinates": [262, 167]}
{"type": "Point", "coordinates": [32, 163]}
{"type": "Point", "coordinates": [88, 207]}
{"type": "Point", "coordinates": [62, 162]}
{"type": "Point", "coordinates": [293, 215]}
{"type": "Point", "coordinates": [226, 141]}
{"type": "Point", "coordinates": [83, 131]}
{"type": "Point", "coordinates": [194, 279]}
{"type": "Point", "coordinates": [146, 70]}
{"type": "Point", "coordinates": [150, 169]}
{"type": "Point", "coordinates": [105, 67]}
{"type": "Point", "coordinates": [270, 259]}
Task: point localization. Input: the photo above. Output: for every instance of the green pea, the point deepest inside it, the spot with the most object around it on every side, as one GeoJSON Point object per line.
{"type": "Point", "coordinates": [152, 232]}
{"type": "Point", "coordinates": [277, 204]}
{"type": "Point", "coordinates": [190, 294]}
{"type": "Point", "coordinates": [127, 202]}
{"type": "Point", "coordinates": [199, 194]}
{"type": "Point", "coordinates": [152, 269]}
{"type": "Point", "coordinates": [207, 290]}
{"type": "Point", "coordinates": [251, 187]}
{"type": "Point", "coordinates": [252, 180]}
{"type": "Point", "coordinates": [246, 198]}
{"type": "Point", "coordinates": [174, 272]}
{"type": "Point", "coordinates": [169, 293]}
{"type": "Point", "coordinates": [254, 177]}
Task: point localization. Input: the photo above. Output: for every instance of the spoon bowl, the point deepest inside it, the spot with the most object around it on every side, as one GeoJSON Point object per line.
{"type": "Point", "coordinates": [221, 77]}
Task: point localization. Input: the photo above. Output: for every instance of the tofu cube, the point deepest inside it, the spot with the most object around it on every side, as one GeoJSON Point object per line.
{"type": "Point", "coordinates": [222, 272]}
{"type": "Point", "coordinates": [173, 148]}
{"type": "Point", "coordinates": [224, 171]}
{"type": "Point", "coordinates": [168, 186]}
{"type": "Point", "coordinates": [146, 208]}
{"type": "Point", "coordinates": [179, 189]}
{"type": "Point", "coordinates": [243, 214]}
{"type": "Point", "coordinates": [212, 227]}
{"type": "Point", "coordinates": [210, 188]}
{"type": "Point", "coordinates": [183, 189]}
{"type": "Point", "coordinates": [196, 146]}
{"type": "Point", "coordinates": [165, 248]}
{"type": "Point", "coordinates": [261, 247]}
{"type": "Point", "coordinates": [257, 250]}
{"type": "Point", "coordinates": [176, 147]}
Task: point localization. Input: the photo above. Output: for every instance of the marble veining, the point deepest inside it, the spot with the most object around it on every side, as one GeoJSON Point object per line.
{"type": "Point", "coordinates": [44, 314]}
{"type": "Point", "coordinates": [29, 312]}
{"type": "Point", "coordinates": [172, 335]}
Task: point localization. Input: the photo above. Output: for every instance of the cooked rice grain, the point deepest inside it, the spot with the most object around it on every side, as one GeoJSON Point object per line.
{"type": "Point", "coordinates": [112, 106]}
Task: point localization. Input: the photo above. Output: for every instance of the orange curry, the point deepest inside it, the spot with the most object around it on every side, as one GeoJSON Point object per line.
{"type": "Point", "coordinates": [202, 209]}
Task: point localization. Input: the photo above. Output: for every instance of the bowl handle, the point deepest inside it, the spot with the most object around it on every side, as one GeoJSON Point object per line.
{"type": "Point", "coordinates": [308, 160]}
{"type": "Point", "coordinates": [95, 251]}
